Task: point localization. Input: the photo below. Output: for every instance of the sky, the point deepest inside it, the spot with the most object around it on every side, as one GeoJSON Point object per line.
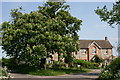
{"type": "Point", "coordinates": [92, 28]}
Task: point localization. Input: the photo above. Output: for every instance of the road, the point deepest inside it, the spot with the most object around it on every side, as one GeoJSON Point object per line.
{"type": "Point", "coordinates": [93, 75]}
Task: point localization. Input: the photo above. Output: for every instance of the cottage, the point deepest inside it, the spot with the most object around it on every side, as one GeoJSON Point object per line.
{"type": "Point", "coordinates": [89, 48]}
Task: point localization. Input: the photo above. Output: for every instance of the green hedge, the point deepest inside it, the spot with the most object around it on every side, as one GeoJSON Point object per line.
{"type": "Point", "coordinates": [10, 63]}
{"type": "Point", "coordinates": [85, 64]}
{"type": "Point", "coordinates": [112, 71]}
{"type": "Point", "coordinates": [58, 64]}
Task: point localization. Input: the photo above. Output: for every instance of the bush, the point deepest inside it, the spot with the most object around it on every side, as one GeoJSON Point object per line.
{"type": "Point", "coordinates": [112, 71]}
{"type": "Point", "coordinates": [96, 59]}
{"type": "Point", "coordinates": [4, 73]}
{"type": "Point", "coordinates": [85, 64]}
{"type": "Point", "coordinates": [58, 64]}
{"type": "Point", "coordinates": [10, 63]}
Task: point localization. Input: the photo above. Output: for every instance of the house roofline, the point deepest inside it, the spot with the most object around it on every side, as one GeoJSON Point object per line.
{"type": "Point", "coordinates": [94, 43]}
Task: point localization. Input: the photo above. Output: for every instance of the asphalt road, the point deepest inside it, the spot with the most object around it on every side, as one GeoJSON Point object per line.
{"type": "Point", "coordinates": [79, 76]}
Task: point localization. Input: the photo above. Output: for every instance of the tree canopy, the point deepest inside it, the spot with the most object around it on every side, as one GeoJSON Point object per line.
{"type": "Point", "coordinates": [31, 36]}
{"type": "Point", "coordinates": [112, 17]}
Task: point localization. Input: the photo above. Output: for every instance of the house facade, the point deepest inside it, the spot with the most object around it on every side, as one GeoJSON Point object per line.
{"type": "Point", "coordinates": [90, 48]}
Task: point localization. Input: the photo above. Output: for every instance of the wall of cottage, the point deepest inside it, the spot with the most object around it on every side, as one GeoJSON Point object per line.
{"type": "Point", "coordinates": [91, 54]}
{"type": "Point", "coordinates": [106, 55]}
{"type": "Point", "coordinates": [99, 52]}
{"type": "Point", "coordinates": [81, 55]}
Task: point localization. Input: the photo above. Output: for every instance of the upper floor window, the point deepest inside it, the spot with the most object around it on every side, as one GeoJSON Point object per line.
{"type": "Point", "coordinates": [93, 51]}
{"type": "Point", "coordinates": [84, 51]}
{"type": "Point", "coordinates": [105, 51]}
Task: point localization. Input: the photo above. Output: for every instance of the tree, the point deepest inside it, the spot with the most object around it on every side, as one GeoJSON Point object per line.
{"type": "Point", "coordinates": [112, 17]}
{"type": "Point", "coordinates": [32, 37]}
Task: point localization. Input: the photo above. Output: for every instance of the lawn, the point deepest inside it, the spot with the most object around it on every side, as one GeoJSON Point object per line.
{"type": "Point", "coordinates": [50, 72]}
{"type": "Point", "coordinates": [55, 72]}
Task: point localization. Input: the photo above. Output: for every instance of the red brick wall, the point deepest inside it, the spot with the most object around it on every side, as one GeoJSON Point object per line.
{"type": "Point", "coordinates": [99, 52]}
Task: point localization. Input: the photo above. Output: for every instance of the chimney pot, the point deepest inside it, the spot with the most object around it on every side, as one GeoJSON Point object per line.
{"type": "Point", "coordinates": [106, 38]}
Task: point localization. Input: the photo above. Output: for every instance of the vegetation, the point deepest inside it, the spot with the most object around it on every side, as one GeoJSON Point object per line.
{"type": "Point", "coordinates": [86, 64]}
{"type": "Point", "coordinates": [58, 64]}
{"type": "Point", "coordinates": [4, 75]}
{"type": "Point", "coordinates": [112, 71]}
{"type": "Point", "coordinates": [51, 72]}
{"type": "Point", "coordinates": [96, 59]}
{"type": "Point", "coordinates": [33, 36]}
{"type": "Point", "coordinates": [112, 17]}
{"type": "Point", "coordinates": [58, 68]}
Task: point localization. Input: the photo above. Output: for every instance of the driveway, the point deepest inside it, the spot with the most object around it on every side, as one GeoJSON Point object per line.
{"type": "Point", "coordinates": [78, 76]}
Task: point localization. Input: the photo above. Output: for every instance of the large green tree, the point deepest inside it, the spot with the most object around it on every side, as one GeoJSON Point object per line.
{"type": "Point", "coordinates": [112, 17]}
{"type": "Point", "coordinates": [31, 36]}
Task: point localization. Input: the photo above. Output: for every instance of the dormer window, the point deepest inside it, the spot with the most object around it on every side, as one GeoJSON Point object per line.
{"type": "Point", "coordinates": [105, 51]}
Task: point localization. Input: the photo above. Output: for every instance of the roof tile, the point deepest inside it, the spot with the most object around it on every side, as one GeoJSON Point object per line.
{"type": "Point", "coordinates": [101, 43]}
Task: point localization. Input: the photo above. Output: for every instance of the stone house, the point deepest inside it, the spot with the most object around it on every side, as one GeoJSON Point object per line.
{"type": "Point", "coordinates": [89, 48]}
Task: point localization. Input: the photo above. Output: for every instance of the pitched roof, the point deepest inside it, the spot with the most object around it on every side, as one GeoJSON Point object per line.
{"type": "Point", "coordinates": [101, 43]}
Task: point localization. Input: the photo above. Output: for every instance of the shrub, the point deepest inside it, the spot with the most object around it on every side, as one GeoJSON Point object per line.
{"type": "Point", "coordinates": [96, 59]}
{"type": "Point", "coordinates": [58, 64]}
{"type": "Point", "coordinates": [5, 75]}
{"type": "Point", "coordinates": [112, 71]}
{"type": "Point", "coordinates": [10, 63]}
{"type": "Point", "coordinates": [85, 64]}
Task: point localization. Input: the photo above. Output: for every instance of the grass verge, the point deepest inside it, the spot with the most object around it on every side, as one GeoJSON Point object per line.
{"type": "Point", "coordinates": [55, 72]}
{"type": "Point", "coordinates": [49, 72]}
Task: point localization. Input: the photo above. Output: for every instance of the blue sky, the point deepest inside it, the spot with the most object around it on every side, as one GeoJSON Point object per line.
{"type": "Point", "coordinates": [92, 27]}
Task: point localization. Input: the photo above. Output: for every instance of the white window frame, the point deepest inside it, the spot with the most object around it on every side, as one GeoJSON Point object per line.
{"type": "Point", "coordinates": [106, 51]}
{"type": "Point", "coordinates": [93, 51]}
{"type": "Point", "coordinates": [84, 51]}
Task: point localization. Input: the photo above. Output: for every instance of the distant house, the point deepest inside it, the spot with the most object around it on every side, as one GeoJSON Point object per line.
{"type": "Point", "coordinates": [89, 48]}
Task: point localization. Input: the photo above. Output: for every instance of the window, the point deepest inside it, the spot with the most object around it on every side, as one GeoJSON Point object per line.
{"type": "Point", "coordinates": [105, 51]}
{"type": "Point", "coordinates": [93, 51]}
{"type": "Point", "coordinates": [84, 51]}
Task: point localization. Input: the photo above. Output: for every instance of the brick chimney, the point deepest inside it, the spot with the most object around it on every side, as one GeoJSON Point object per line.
{"type": "Point", "coordinates": [106, 38]}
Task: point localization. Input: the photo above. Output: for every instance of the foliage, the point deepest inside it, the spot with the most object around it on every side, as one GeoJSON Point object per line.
{"type": "Point", "coordinates": [112, 71]}
{"type": "Point", "coordinates": [110, 16]}
{"type": "Point", "coordinates": [10, 63]}
{"type": "Point", "coordinates": [4, 75]}
{"type": "Point", "coordinates": [31, 36]}
{"type": "Point", "coordinates": [96, 59]}
{"type": "Point", "coordinates": [58, 64]}
{"type": "Point", "coordinates": [68, 58]}
{"type": "Point", "coordinates": [85, 64]}
{"type": "Point", "coordinates": [49, 72]}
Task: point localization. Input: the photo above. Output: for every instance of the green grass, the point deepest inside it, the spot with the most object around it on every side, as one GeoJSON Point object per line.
{"type": "Point", "coordinates": [48, 72]}
{"type": "Point", "coordinates": [55, 72]}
